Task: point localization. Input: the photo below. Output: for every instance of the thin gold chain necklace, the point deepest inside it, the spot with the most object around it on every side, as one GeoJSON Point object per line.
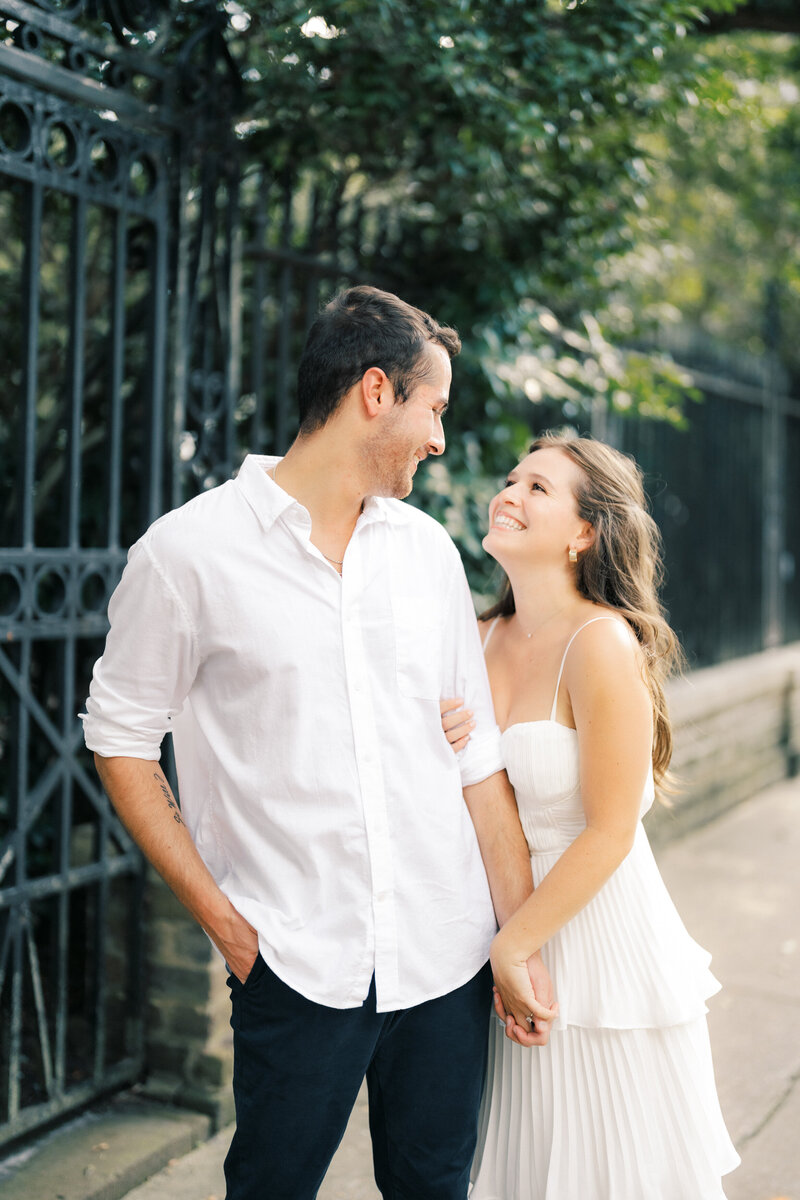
{"type": "Point", "coordinates": [542, 624]}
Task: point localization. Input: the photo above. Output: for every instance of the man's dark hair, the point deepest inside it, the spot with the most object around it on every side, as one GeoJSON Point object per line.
{"type": "Point", "coordinates": [360, 328]}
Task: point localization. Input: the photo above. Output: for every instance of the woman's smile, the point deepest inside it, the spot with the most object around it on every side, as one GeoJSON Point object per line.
{"type": "Point", "coordinates": [506, 521]}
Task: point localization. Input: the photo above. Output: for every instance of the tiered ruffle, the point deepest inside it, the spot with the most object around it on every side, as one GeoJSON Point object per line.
{"type": "Point", "coordinates": [626, 961]}
{"type": "Point", "coordinates": [602, 1114]}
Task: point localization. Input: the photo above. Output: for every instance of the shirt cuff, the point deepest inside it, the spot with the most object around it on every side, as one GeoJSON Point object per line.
{"type": "Point", "coordinates": [109, 740]}
{"type": "Point", "coordinates": [481, 757]}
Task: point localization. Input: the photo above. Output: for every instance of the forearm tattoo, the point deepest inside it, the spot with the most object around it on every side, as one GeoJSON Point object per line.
{"type": "Point", "coordinates": [167, 794]}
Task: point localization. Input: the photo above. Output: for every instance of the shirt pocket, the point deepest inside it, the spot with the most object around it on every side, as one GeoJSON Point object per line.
{"type": "Point", "coordinates": [418, 635]}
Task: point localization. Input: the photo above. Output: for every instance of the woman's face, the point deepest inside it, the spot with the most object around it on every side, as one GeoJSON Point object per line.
{"type": "Point", "coordinates": [535, 516]}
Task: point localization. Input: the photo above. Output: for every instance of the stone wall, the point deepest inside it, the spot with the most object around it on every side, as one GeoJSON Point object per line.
{"type": "Point", "coordinates": [188, 1036]}
{"type": "Point", "coordinates": [737, 730]}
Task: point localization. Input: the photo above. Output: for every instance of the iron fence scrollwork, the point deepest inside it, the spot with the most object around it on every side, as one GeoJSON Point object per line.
{"type": "Point", "coordinates": [103, 187]}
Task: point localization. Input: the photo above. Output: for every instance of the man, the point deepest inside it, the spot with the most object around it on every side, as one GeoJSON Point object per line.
{"type": "Point", "coordinates": [294, 629]}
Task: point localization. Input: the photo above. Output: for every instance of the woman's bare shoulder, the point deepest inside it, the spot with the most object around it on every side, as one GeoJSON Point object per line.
{"type": "Point", "coordinates": [605, 652]}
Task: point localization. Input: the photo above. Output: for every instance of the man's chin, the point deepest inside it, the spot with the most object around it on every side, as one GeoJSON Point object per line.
{"type": "Point", "coordinates": [393, 486]}
{"type": "Point", "coordinates": [394, 491]}
{"type": "Point", "coordinates": [403, 487]}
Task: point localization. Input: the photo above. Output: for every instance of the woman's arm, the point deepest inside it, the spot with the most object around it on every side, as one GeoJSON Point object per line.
{"type": "Point", "coordinates": [522, 990]}
{"type": "Point", "coordinates": [613, 718]}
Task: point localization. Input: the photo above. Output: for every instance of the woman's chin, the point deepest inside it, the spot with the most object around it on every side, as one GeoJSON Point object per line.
{"type": "Point", "coordinates": [503, 548]}
{"type": "Point", "coordinates": [489, 544]}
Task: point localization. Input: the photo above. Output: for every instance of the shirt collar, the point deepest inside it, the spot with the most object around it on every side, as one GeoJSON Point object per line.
{"type": "Point", "coordinates": [269, 501]}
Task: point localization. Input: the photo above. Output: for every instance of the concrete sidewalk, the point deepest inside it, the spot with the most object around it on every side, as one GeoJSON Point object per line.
{"type": "Point", "coordinates": [737, 885]}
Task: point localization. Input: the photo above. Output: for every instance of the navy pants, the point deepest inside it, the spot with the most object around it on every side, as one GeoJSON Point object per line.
{"type": "Point", "coordinates": [298, 1067]}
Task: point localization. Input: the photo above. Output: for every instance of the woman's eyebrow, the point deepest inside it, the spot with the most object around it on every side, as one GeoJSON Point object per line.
{"type": "Point", "coordinates": [540, 478]}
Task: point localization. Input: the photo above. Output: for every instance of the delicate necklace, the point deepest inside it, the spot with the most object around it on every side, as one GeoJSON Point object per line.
{"type": "Point", "coordinates": [542, 623]}
{"type": "Point", "coordinates": [337, 562]}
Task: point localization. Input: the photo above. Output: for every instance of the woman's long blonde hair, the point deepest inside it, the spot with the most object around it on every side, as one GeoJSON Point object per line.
{"type": "Point", "coordinates": [622, 569]}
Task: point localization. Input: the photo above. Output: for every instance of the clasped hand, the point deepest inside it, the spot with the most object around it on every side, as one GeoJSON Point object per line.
{"type": "Point", "coordinates": [523, 988]}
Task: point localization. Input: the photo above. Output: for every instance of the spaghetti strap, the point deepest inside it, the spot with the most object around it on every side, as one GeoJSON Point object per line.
{"type": "Point", "coordinates": [489, 634]}
{"type": "Point", "coordinates": [564, 657]}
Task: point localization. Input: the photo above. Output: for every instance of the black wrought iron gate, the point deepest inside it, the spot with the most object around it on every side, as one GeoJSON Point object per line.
{"type": "Point", "coordinates": [98, 253]}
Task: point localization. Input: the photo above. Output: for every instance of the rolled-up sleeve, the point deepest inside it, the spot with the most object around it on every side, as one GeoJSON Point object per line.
{"type": "Point", "coordinates": [148, 665]}
{"type": "Point", "coordinates": [465, 672]}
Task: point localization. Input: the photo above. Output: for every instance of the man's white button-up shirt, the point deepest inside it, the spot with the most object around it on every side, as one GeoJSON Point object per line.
{"type": "Point", "coordinates": [314, 775]}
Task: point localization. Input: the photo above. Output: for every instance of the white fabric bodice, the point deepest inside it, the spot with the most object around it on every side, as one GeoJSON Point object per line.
{"type": "Point", "coordinates": [543, 765]}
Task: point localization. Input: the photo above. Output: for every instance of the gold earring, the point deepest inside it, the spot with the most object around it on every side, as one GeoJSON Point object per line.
{"type": "Point", "coordinates": [573, 554]}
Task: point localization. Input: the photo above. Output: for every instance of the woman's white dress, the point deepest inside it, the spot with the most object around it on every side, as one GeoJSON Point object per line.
{"type": "Point", "coordinates": [621, 1103]}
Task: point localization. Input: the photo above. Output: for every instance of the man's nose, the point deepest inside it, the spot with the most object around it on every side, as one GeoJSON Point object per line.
{"type": "Point", "coordinates": [436, 443]}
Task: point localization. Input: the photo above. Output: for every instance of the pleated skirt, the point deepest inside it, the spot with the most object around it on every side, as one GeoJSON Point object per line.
{"type": "Point", "coordinates": [602, 1114]}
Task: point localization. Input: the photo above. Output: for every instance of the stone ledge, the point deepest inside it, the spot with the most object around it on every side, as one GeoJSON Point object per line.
{"type": "Point", "coordinates": [104, 1153]}
{"type": "Point", "coordinates": [215, 1103]}
{"type": "Point", "coordinates": [737, 731]}
{"type": "Point", "coordinates": [699, 695]}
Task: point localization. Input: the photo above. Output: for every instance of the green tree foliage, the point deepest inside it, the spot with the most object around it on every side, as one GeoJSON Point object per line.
{"type": "Point", "coordinates": [721, 230]}
{"type": "Point", "coordinates": [502, 138]}
{"type": "Point", "coordinates": [502, 134]}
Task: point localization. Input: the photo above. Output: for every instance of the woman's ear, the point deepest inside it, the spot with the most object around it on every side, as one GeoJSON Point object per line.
{"type": "Point", "coordinates": [585, 538]}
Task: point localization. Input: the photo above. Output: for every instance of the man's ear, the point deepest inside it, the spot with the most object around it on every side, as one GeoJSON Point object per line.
{"type": "Point", "coordinates": [376, 391]}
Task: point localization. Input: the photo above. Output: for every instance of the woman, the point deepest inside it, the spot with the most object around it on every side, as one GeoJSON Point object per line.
{"type": "Point", "coordinates": [620, 1104]}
